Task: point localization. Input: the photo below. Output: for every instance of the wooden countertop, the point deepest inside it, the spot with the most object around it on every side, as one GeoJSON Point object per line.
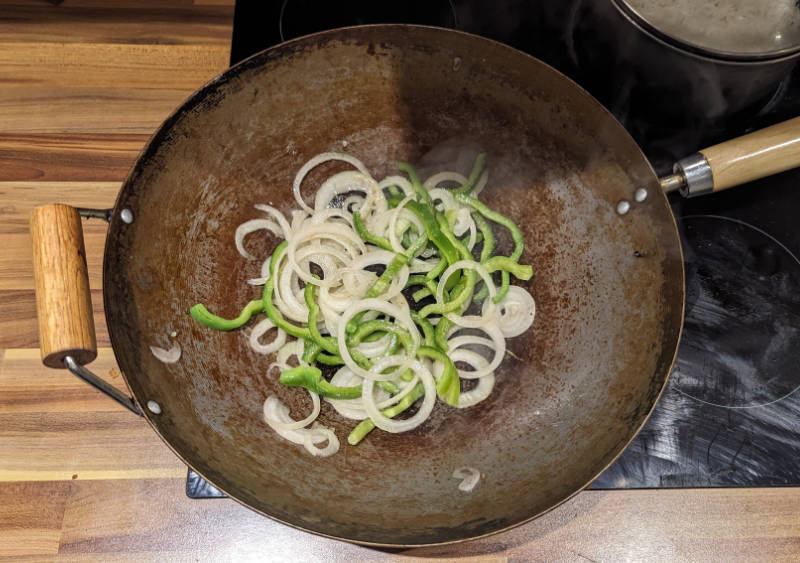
{"type": "Point", "coordinates": [82, 85]}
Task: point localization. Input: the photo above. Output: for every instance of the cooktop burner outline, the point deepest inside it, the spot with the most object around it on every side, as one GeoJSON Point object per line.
{"type": "Point", "coordinates": [747, 261]}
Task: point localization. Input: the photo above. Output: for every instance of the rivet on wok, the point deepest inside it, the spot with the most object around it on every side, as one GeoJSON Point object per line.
{"type": "Point", "coordinates": [640, 195]}
{"type": "Point", "coordinates": [154, 407]}
{"type": "Point", "coordinates": [623, 206]}
{"type": "Point", "coordinates": [126, 215]}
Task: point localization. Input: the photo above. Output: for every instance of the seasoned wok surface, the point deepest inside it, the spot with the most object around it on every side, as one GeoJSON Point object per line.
{"type": "Point", "coordinates": [609, 288]}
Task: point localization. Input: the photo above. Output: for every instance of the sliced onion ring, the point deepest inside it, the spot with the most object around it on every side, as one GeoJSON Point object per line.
{"type": "Point", "coordinates": [316, 161]}
{"type": "Point", "coordinates": [260, 330]}
{"type": "Point", "coordinates": [515, 313]}
{"type": "Point", "coordinates": [470, 477]}
{"type": "Point", "coordinates": [395, 426]}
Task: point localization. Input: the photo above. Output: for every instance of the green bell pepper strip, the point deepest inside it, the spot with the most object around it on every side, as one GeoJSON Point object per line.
{"type": "Point", "coordinates": [419, 189]}
{"type": "Point", "coordinates": [274, 315]}
{"type": "Point", "coordinates": [418, 279]}
{"type": "Point", "coordinates": [329, 360]}
{"type": "Point", "coordinates": [328, 344]}
{"type": "Point", "coordinates": [505, 264]}
{"type": "Point", "coordinates": [426, 216]}
{"type": "Point", "coordinates": [366, 426]}
{"type": "Point", "coordinates": [420, 294]}
{"type": "Point", "coordinates": [369, 327]}
{"type": "Point", "coordinates": [395, 191]}
{"type": "Point", "coordinates": [426, 326]}
{"type": "Point", "coordinates": [488, 236]}
{"type": "Point", "coordinates": [310, 377]}
{"type": "Point", "coordinates": [310, 351]}
{"type": "Point", "coordinates": [429, 289]}
{"type": "Point", "coordinates": [361, 229]}
{"type": "Point", "coordinates": [486, 251]}
{"type": "Point", "coordinates": [474, 176]}
{"type": "Point", "coordinates": [201, 315]}
{"type": "Point", "coordinates": [441, 332]}
{"type": "Point", "coordinates": [463, 289]}
{"type": "Point", "coordinates": [437, 270]}
{"type": "Point", "coordinates": [516, 236]}
{"type": "Point", "coordinates": [460, 247]}
{"type": "Point", "coordinates": [448, 387]}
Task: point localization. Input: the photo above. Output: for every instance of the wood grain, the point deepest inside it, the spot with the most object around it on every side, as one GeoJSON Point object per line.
{"type": "Point", "coordinates": [78, 109]}
{"type": "Point", "coordinates": [26, 387]}
{"type": "Point", "coordinates": [595, 526]}
{"type": "Point", "coordinates": [755, 155]}
{"type": "Point", "coordinates": [55, 427]}
{"type": "Point", "coordinates": [147, 22]}
{"type": "Point", "coordinates": [63, 299]}
{"type": "Point", "coordinates": [85, 157]}
{"type": "Point", "coordinates": [92, 65]}
{"type": "Point", "coordinates": [31, 515]}
{"type": "Point", "coordinates": [18, 201]}
{"type": "Point", "coordinates": [18, 323]}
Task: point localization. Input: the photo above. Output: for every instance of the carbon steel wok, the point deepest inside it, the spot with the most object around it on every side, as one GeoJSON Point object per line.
{"type": "Point", "coordinates": [580, 383]}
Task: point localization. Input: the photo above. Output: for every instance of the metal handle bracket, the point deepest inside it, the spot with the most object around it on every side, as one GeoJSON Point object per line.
{"type": "Point", "coordinates": [101, 385]}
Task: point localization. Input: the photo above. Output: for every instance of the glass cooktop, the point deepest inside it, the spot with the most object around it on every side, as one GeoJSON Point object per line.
{"type": "Point", "coordinates": [730, 415]}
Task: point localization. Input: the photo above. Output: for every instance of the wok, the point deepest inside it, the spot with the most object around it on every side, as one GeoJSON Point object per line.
{"type": "Point", "coordinates": [608, 280]}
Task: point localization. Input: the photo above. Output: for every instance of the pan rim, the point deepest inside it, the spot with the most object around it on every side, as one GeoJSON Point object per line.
{"type": "Point", "coordinates": [256, 59]}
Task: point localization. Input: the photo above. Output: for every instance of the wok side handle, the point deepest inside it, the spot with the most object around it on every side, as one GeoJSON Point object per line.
{"type": "Point", "coordinates": [63, 301]}
{"type": "Point", "coordinates": [731, 163]}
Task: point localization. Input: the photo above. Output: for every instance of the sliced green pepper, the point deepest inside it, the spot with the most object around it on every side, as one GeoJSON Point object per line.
{"type": "Point", "coordinates": [201, 315]}
{"type": "Point", "coordinates": [310, 378]}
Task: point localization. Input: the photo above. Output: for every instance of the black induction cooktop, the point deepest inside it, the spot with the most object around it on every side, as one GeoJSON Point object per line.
{"type": "Point", "coordinates": [730, 414]}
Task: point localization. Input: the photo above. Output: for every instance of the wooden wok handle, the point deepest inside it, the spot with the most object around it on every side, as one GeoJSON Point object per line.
{"type": "Point", "coordinates": [755, 155]}
{"type": "Point", "coordinates": [63, 301]}
{"type": "Point", "coordinates": [738, 161]}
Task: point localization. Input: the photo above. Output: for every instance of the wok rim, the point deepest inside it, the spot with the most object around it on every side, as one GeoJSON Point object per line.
{"type": "Point", "coordinates": [157, 137]}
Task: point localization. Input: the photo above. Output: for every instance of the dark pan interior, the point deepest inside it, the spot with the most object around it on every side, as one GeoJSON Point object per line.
{"type": "Point", "coordinates": [609, 288]}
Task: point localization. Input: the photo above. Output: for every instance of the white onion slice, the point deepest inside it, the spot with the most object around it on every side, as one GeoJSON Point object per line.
{"type": "Point", "coordinates": [433, 181]}
{"type": "Point", "coordinates": [395, 426]}
{"type": "Point", "coordinates": [469, 321]}
{"type": "Point", "coordinates": [398, 181]}
{"type": "Point", "coordinates": [260, 330]}
{"type": "Point", "coordinates": [395, 214]}
{"type": "Point", "coordinates": [376, 348]}
{"type": "Point", "coordinates": [316, 161]}
{"type": "Point", "coordinates": [473, 359]}
{"type": "Point", "coordinates": [167, 356]}
{"type": "Point", "coordinates": [478, 393]}
{"type": "Point", "coordinates": [469, 476]}
{"type": "Point", "coordinates": [283, 424]}
{"type": "Point", "coordinates": [499, 349]}
{"type": "Point", "coordinates": [276, 413]}
{"type": "Point", "coordinates": [349, 408]}
{"type": "Point", "coordinates": [264, 273]}
{"type": "Point", "coordinates": [279, 218]}
{"type": "Point", "coordinates": [348, 181]}
{"type": "Point", "coordinates": [515, 313]}
{"type": "Point", "coordinates": [293, 348]}
{"type": "Point", "coordinates": [252, 226]}
{"type": "Point", "coordinates": [318, 434]}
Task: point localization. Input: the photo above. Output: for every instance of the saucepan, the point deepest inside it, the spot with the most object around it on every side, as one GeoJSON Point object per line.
{"type": "Point", "coordinates": [570, 395]}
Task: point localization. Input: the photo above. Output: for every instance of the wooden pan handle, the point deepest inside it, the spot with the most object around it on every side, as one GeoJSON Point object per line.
{"type": "Point", "coordinates": [755, 155]}
{"type": "Point", "coordinates": [63, 301]}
